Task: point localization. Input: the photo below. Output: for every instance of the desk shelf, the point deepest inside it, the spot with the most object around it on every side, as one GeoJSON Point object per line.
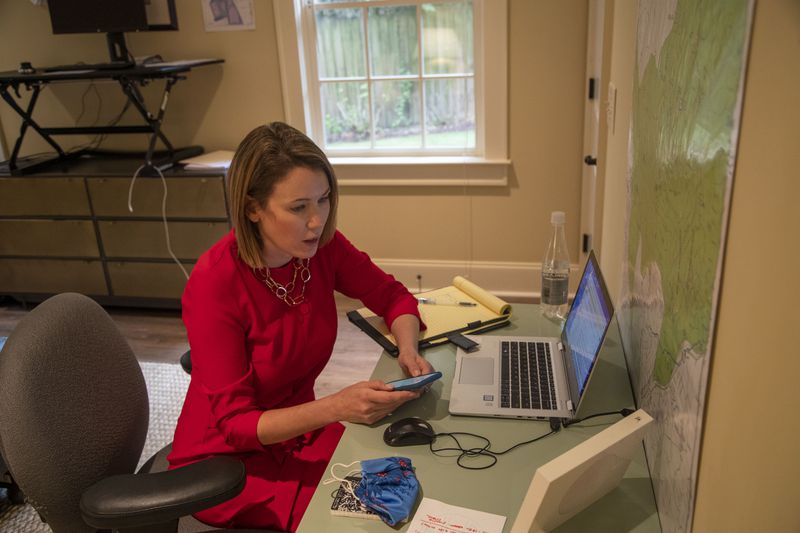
{"type": "Point", "coordinates": [69, 229]}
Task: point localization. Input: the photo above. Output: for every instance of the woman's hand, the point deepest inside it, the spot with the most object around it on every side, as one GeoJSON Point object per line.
{"type": "Point", "coordinates": [367, 402]}
{"type": "Point", "coordinates": [413, 364]}
{"type": "Point", "coordinates": [405, 329]}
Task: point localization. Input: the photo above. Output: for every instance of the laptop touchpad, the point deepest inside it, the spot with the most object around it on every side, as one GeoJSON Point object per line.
{"type": "Point", "coordinates": [477, 371]}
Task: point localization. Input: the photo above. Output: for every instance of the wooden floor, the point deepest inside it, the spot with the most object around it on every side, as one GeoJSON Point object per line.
{"type": "Point", "coordinates": [154, 335]}
{"type": "Point", "coordinates": [159, 336]}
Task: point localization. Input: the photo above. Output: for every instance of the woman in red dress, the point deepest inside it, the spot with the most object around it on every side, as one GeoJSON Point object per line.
{"type": "Point", "coordinates": [261, 319]}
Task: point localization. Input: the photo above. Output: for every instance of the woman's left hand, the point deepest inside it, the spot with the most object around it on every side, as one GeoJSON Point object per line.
{"type": "Point", "coordinates": [413, 364]}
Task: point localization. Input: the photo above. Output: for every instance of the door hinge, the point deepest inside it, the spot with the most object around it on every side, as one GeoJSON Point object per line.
{"type": "Point", "coordinates": [592, 85]}
{"type": "Point", "coordinates": [591, 161]}
{"type": "Point", "coordinates": [586, 243]}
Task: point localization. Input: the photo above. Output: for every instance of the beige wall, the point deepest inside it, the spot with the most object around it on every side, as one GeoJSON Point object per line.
{"type": "Point", "coordinates": [750, 465]}
{"type": "Point", "coordinates": [452, 226]}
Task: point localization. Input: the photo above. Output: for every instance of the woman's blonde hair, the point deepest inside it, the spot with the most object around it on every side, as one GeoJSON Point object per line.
{"type": "Point", "coordinates": [264, 157]}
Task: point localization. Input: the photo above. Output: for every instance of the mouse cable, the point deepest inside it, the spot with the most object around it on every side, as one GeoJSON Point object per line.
{"type": "Point", "coordinates": [485, 450]}
{"type": "Point", "coordinates": [623, 412]}
{"type": "Point", "coordinates": [465, 452]}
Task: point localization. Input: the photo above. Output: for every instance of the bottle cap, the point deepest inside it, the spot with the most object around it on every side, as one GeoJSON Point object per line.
{"type": "Point", "coordinates": [557, 217]}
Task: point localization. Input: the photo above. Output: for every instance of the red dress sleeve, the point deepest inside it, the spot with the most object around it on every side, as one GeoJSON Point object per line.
{"type": "Point", "coordinates": [216, 326]}
{"type": "Point", "coordinates": [358, 277]}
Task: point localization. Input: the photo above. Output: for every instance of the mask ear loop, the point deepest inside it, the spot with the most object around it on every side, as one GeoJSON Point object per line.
{"type": "Point", "coordinates": [346, 483]}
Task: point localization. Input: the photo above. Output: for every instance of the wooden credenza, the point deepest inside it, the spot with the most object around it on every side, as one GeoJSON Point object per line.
{"type": "Point", "coordinates": [70, 229]}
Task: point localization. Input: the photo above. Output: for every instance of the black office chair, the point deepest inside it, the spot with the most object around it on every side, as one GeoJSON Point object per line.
{"type": "Point", "coordinates": [13, 492]}
{"type": "Point", "coordinates": [73, 419]}
{"type": "Point", "coordinates": [186, 362]}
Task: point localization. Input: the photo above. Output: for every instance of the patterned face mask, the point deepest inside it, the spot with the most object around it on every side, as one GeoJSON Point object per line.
{"type": "Point", "coordinates": [388, 486]}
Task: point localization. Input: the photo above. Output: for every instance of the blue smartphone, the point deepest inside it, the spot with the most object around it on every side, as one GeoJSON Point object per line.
{"type": "Point", "coordinates": [415, 383]}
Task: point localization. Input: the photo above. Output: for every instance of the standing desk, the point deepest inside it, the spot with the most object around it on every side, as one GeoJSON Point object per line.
{"type": "Point", "coordinates": [500, 489]}
{"type": "Point", "coordinates": [129, 80]}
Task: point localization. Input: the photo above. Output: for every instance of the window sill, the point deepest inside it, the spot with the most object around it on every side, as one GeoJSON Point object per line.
{"type": "Point", "coordinates": [421, 171]}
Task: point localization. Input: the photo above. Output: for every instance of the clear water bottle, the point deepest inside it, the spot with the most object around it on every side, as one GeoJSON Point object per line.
{"type": "Point", "coordinates": [555, 270]}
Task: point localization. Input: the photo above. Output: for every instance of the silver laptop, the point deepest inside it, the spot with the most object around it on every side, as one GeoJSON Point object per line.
{"type": "Point", "coordinates": [536, 377]}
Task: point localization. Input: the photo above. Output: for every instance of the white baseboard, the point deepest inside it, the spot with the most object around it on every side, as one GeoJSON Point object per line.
{"type": "Point", "coordinates": [504, 279]}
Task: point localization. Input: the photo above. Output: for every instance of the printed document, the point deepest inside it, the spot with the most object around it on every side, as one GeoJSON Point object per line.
{"type": "Point", "coordinates": [435, 516]}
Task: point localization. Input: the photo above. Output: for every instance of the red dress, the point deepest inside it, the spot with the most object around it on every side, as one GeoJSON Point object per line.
{"type": "Point", "coordinates": [252, 352]}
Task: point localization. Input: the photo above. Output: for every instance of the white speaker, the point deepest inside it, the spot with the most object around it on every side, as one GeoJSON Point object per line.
{"type": "Point", "coordinates": [575, 479]}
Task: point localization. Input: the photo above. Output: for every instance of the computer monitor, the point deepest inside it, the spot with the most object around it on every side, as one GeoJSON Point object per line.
{"type": "Point", "coordinates": [113, 18]}
{"type": "Point", "coordinates": [586, 326]}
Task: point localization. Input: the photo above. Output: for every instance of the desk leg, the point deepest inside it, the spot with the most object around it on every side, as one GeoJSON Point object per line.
{"type": "Point", "coordinates": [130, 89]}
{"type": "Point", "coordinates": [27, 120]}
{"type": "Point", "coordinates": [157, 123]}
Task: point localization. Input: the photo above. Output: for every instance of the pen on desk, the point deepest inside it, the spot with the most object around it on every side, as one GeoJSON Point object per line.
{"type": "Point", "coordinates": [431, 301]}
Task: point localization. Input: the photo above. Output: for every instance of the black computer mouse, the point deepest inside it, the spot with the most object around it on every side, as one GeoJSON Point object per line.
{"type": "Point", "coordinates": [409, 432]}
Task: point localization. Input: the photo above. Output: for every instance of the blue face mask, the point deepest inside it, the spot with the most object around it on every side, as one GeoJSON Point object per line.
{"type": "Point", "coordinates": [388, 486]}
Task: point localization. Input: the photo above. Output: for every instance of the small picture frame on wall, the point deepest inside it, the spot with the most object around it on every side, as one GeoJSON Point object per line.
{"type": "Point", "coordinates": [228, 15]}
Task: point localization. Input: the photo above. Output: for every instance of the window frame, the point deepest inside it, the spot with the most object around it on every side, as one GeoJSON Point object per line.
{"type": "Point", "coordinates": [485, 165]}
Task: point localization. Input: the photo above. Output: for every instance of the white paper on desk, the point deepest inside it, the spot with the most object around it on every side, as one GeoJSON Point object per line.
{"type": "Point", "coordinates": [176, 63]}
{"type": "Point", "coordinates": [219, 159]}
{"type": "Point", "coordinates": [435, 516]}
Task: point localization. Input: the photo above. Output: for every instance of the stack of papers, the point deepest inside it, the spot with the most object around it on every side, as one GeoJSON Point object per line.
{"type": "Point", "coordinates": [433, 516]}
{"type": "Point", "coordinates": [462, 308]}
{"type": "Point", "coordinates": [177, 63]}
{"type": "Point", "coordinates": [218, 159]}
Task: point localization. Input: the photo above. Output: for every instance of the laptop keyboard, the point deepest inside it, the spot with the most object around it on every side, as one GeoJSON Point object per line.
{"type": "Point", "coordinates": [526, 375]}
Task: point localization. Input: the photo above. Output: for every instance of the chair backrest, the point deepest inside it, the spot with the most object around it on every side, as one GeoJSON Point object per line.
{"type": "Point", "coordinates": [73, 405]}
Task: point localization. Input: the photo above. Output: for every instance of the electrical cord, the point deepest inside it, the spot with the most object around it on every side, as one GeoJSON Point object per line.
{"type": "Point", "coordinates": [163, 210]}
{"type": "Point", "coordinates": [95, 143]}
{"type": "Point", "coordinates": [485, 450]}
{"type": "Point", "coordinates": [83, 103]}
{"type": "Point", "coordinates": [623, 412]}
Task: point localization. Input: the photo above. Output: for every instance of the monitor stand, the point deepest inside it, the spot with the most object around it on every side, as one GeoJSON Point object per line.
{"type": "Point", "coordinates": [118, 48]}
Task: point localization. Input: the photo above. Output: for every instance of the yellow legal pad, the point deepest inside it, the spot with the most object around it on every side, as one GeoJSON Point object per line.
{"type": "Point", "coordinates": [448, 315]}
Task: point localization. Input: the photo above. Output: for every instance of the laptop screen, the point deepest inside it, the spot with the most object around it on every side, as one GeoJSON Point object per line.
{"type": "Point", "coordinates": [587, 323]}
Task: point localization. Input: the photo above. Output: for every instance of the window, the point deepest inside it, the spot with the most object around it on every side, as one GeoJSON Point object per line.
{"type": "Point", "coordinates": [377, 92]}
{"type": "Point", "coordinates": [399, 81]}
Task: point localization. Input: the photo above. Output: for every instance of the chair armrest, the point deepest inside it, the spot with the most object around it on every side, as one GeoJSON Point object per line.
{"type": "Point", "coordinates": [186, 361]}
{"type": "Point", "coordinates": [134, 500]}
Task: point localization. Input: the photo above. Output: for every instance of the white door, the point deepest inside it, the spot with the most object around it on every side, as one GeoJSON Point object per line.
{"type": "Point", "coordinates": [591, 127]}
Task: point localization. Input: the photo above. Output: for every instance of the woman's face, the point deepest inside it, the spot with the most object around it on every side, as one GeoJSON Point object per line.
{"type": "Point", "coordinates": [293, 217]}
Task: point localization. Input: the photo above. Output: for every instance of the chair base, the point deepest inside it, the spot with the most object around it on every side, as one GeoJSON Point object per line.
{"type": "Point", "coordinates": [14, 493]}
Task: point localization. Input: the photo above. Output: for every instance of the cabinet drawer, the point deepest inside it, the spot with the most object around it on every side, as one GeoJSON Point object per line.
{"type": "Point", "coordinates": [51, 276]}
{"type": "Point", "coordinates": [187, 197]}
{"type": "Point", "coordinates": [147, 280]}
{"type": "Point", "coordinates": [147, 239]}
{"type": "Point", "coordinates": [43, 196]}
{"type": "Point", "coordinates": [48, 237]}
